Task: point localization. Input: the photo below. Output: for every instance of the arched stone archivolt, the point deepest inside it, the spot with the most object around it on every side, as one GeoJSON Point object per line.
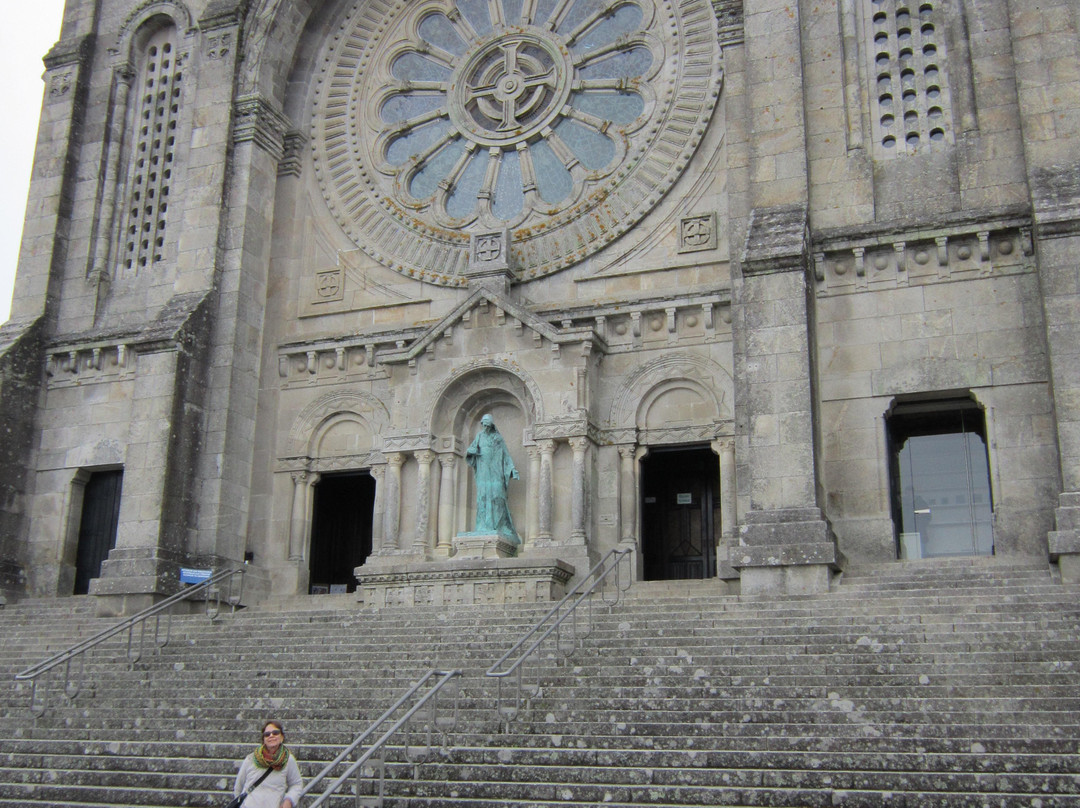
{"type": "Point", "coordinates": [330, 425]}
{"type": "Point", "coordinates": [454, 403]}
{"type": "Point", "coordinates": [176, 12]}
{"type": "Point", "coordinates": [682, 390]}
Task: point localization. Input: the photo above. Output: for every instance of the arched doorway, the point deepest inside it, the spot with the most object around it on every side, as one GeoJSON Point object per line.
{"type": "Point", "coordinates": [680, 496]}
{"type": "Point", "coordinates": [340, 530]}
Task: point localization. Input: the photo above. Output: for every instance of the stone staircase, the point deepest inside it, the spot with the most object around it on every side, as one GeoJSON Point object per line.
{"type": "Point", "coordinates": [948, 683]}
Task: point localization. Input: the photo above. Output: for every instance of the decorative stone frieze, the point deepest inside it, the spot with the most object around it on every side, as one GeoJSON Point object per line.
{"type": "Point", "coordinates": [467, 581]}
{"type": "Point", "coordinates": [415, 442]}
{"type": "Point", "coordinates": [331, 362]}
{"type": "Point", "coordinates": [89, 364]}
{"type": "Point", "coordinates": [852, 261]}
{"type": "Point", "coordinates": [571, 426]}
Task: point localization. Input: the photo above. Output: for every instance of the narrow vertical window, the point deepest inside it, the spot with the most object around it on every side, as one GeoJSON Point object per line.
{"type": "Point", "coordinates": [156, 102]}
{"type": "Point", "coordinates": [906, 65]}
{"type": "Point", "coordinates": [942, 500]}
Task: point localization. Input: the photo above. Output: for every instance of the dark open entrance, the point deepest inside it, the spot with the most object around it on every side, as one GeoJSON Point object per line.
{"type": "Point", "coordinates": [340, 530]}
{"type": "Point", "coordinates": [680, 506]}
{"type": "Point", "coordinates": [940, 478]}
{"type": "Point", "coordinates": [97, 525]}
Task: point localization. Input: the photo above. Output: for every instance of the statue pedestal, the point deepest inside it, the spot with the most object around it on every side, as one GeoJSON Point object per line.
{"type": "Point", "coordinates": [462, 581]}
{"type": "Point", "coordinates": [483, 545]}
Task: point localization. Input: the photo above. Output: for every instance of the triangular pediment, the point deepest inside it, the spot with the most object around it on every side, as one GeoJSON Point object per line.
{"type": "Point", "coordinates": [480, 296]}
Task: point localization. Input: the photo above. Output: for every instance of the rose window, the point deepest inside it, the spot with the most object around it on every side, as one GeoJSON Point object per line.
{"type": "Point", "coordinates": [563, 121]}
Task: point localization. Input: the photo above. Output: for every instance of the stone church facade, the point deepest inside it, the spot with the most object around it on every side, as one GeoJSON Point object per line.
{"type": "Point", "coordinates": [760, 290]}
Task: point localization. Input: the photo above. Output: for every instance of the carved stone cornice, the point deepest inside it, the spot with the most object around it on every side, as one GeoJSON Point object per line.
{"type": "Point", "coordinates": [222, 13]}
{"type": "Point", "coordinates": [409, 442]}
{"type": "Point", "coordinates": [729, 21]}
{"type": "Point", "coordinates": [777, 240]}
{"type": "Point", "coordinates": [292, 158]}
{"type": "Point", "coordinates": [110, 354]}
{"type": "Point", "coordinates": [69, 52]}
{"type": "Point", "coordinates": [903, 252]}
{"type": "Point", "coordinates": [258, 120]}
{"type": "Point", "coordinates": [1055, 193]}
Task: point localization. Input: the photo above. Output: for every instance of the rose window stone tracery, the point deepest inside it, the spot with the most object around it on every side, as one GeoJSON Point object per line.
{"type": "Point", "coordinates": [564, 121]}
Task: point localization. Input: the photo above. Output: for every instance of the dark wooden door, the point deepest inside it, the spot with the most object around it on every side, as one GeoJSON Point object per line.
{"type": "Point", "coordinates": [341, 529]}
{"type": "Point", "coordinates": [679, 489]}
{"type": "Point", "coordinates": [97, 526]}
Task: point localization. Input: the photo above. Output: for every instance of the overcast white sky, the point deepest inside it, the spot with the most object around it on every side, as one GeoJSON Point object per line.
{"type": "Point", "coordinates": [30, 28]}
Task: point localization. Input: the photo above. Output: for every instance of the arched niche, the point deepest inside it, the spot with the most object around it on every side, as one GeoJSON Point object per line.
{"type": "Point", "coordinates": [457, 408]}
{"type": "Point", "coordinates": [512, 401]}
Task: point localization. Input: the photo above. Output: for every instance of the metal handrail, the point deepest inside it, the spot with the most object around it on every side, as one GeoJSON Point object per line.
{"type": "Point", "coordinates": [541, 631]}
{"type": "Point", "coordinates": [211, 586]}
{"type": "Point", "coordinates": [434, 723]}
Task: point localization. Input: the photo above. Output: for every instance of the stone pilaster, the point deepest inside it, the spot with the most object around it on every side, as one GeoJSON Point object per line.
{"type": "Point", "coordinates": [225, 242]}
{"type": "Point", "coordinates": [1048, 90]}
{"type": "Point", "coordinates": [786, 545]}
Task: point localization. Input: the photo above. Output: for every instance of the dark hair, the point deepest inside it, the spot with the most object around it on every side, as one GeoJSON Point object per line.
{"type": "Point", "coordinates": [272, 722]}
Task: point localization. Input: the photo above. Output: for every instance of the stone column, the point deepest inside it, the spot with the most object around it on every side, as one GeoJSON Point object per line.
{"type": "Point", "coordinates": [786, 545]}
{"type": "Point", "coordinates": [532, 515]}
{"type": "Point", "coordinates": [577, 493]}
{"type": "Point", "coordinates": [392, 503]}
{"type": "Point", "coordinates": [727, 540]}
{"type": "Point", "coordinates": [378, 515]}
{"type": "Point", "coordinates": [545, 494]}
{"type": "Point", "coordinates": [424, 459]}
{"type": "Point", "coordinates": [627, 495]}
{"type": "Point", "coordinates": [298, 517]}
{"type": "Point", "coordinates": [725, 449]}
{"type": "Point", "coordinates": [447, 504]}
